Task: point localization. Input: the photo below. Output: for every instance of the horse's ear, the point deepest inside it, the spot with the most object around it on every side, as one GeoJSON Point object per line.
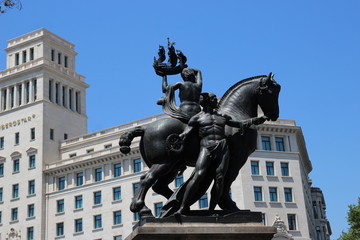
{"type": "Point", "coordinates": [269, 77]}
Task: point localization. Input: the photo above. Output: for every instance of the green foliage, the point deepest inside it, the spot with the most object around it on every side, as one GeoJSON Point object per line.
{"type": "Point", "coordinates": [354, 222]}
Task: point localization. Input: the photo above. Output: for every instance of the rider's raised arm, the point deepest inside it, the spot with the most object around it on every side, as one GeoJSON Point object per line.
{"type": "Point", "coordinates": [164, 84]}
{"type": "Point", "coordinates": [198, 77]}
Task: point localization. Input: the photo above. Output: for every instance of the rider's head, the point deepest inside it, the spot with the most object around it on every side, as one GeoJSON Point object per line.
{"type": "Point", "coordinates": [188, 74]}
{"type": "Point", "coordinates": [208, 100]}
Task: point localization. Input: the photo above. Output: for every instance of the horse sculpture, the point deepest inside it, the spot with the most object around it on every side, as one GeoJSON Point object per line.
{"type": "Point", "coordinates": [240, 102]}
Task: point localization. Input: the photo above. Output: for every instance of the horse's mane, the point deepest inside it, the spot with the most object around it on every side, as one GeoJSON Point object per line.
{"type": "Point", "coordinates": [236, 85]}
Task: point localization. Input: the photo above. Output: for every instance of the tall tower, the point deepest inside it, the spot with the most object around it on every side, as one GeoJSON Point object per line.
{"type": "Point", "coordinates": [42, 102]}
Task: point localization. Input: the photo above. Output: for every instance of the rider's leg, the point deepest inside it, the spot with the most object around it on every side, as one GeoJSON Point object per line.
{"type": "Point", "coordinates": [201, 169]}
{"type": "Point", "coordinates": [222, 162]}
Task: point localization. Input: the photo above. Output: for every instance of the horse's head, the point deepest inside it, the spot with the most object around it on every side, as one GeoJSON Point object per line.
{"type": "Point", "coordinates": [267, 95]}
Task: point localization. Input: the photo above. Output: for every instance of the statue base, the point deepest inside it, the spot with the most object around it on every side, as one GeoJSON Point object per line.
{"type": "Point", "coordinates": [240, 225]}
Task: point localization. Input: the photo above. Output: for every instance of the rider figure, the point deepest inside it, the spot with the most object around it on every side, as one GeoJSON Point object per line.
{"type": "Point", "coordinates": [214, 152]}
{"type": "Point", "coordinates": [189, 91]}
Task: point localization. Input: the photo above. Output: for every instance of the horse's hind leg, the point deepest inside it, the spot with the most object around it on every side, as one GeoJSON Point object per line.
{"type": "Point", "coordinates": [147, 180]}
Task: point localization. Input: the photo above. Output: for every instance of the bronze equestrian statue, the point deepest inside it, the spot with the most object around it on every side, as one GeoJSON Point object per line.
{"type": "Point", "coordinates": [239, 103]}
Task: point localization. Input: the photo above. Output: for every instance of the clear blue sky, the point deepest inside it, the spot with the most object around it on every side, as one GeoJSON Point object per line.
{"type": "Point", "coordinates": [313, 47]}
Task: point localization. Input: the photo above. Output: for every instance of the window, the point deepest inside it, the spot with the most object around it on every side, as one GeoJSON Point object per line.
{"type": "Point", "coordinates": [255, 168]}
{"type": "Point", "coordinates": [1, 194]}
{"type": "Point", "coordinates": [31, 210]}
{"type": "Point", "coordinates": [17, 59]}
{"type": "Point", "coordinates": [1, 169]}
{"type": "Point", "coordinates": [284, 169]}
{"type": "Point", "coordinates": [266, 143]}
{"type": "Point", "coordinates": [2, 142]}
{"type": "Point", "coordinates": [78, 225]}
{"type": "Point", "coordinates": [79, 179]}
{"type": "Point", "coordinates": [90, 150]}
{"type": "Point", "coordinates": [12, 97]}
{"type": "Point", "coordinates": [61, 183]}
{"type": "Point", "coordinates": [117, 170]}
{"type": "Point", "coordinates": [30, 233]}
{"type": "Point", "coordinates": [51, 134]}
{"type": "Point", "coordinates": [292, 221]}
{"type": "Point", "coordinates": [35, 88]}
{"type": "Point", "coordinates": [135, 187]}
{"type": "Point", "coordinates": [60, 229]}
{"type": "Point", "coordinates": [70, 99]}
{"type": "Point", "coordinates": [27, 91]}
{"type": "Point", "coordinates": [179, 180]}
{"type": "Point", "coordinates": [0, 217]}
{"type": "Point", "coordinates": [117, 193]}
{"type": "Point", "coordinates": [66, 64]}
{"type": "Point", "coordinates": [65, 136]}
{"type": "Point", "coordinates": [117, 237]}
{"type": "Point", "coordinates": [77, 102]}
{"type": "Point", "coordinates": [15, 191]}
{"type": "Point", "coordinates": [14, 214]}
{"type": "Point", "coordinates": [32, 54]}
{"type": "Point", "coordinates": [17, 138]}
{"type": "Point", "coordinates": [288, 194]}
{"type": "Point", "coordinates": [270, 168]}
{"type": "Point", "coordinates": [279, 144]}
{"type": "Point", "coordinates": [97, 221]}
{"type": "Point", "coordinates": [258, 194]}
{"type": "Point", "coordinates": [59, 58]}
{"type": "Point", "coordinates": [273, 194]}
{"type": "Point", "coordinates": [63, 96]}
{"type": "Point", "coordinates": [52, 55]}
{"type": "Point", "coordinates": [72, 155]}
{"type": "Point", "coordinates": [32, 134]}
{"type": "Point", "coordinates": [57, 93]}
{"type": "Point", "coordinates": [24, 56]}
{"type": "Point", "coordinates": [137, 165]}
{"type": "Point", "coordinates": [98, 174]}
{"type": "Point", "coordinates": [97, 197]}
{"type": "Point", "coordinates": [19, 94]}
{"type": "Point", "coordinates": [50, 90]}
{"type": "Point", "coordinates": [60, 206]}
{"type": "Point", "coordinates": [158, 207]}
{"type": "Point", "coordinates": [117, 217]}
{"type": "Point", "coordinates": [31, 189]}
{"type": "Point", "coordinates": [78, 202]}
{"type": "Point", "coordinates": [203, 201]}
{"type": "Point", "coordinates": [32, 161]}
{"type": "Point", "coordinates": [108, 146]}
{"type": "Point", "coordinates": [263, 219]}
{"type": "Point", "coordinates": [4, 99]}
{"type": "Point", "coordinates": [316, 214]}
{"type": "Point", "coordinates": [136, 216]}
{"type": "Point", "coordinates": [16, 166]}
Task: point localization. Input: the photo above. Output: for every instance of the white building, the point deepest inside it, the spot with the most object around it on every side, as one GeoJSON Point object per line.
{"type": "Point", "coordinates": [59, 182]}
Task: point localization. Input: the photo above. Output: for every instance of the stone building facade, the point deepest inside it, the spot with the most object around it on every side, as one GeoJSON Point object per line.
{"type": "Point", "coordinates": [59, 182]}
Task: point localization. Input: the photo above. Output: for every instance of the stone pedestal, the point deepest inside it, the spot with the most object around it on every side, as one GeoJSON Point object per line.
{"type": "Point", "coordinates": [203, 228]}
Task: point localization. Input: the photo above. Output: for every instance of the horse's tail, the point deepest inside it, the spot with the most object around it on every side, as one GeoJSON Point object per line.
{"type": "Point", "coordinates": [126, 138]}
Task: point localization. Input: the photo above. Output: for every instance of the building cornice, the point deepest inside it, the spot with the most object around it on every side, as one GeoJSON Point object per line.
{"type": "Point", "coordinates": [90, 159]}
{"type": "Point", "coordinates": [35, 35]}
{"type": "Point", "coordinates": [106, 133]}
{"type": "Point", "coordinates": [42, 63]}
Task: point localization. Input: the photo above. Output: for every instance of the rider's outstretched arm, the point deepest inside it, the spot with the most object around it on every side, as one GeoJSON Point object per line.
{"type": "Point", "coordinates": [246, 123]}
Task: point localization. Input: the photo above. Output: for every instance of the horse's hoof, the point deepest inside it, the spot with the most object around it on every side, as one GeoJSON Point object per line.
{"type": "Point", "coordinates": [125, 149]}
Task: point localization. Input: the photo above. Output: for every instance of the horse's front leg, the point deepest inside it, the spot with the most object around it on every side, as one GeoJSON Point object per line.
{"type": "Point", "coordinates": [147, 180]}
